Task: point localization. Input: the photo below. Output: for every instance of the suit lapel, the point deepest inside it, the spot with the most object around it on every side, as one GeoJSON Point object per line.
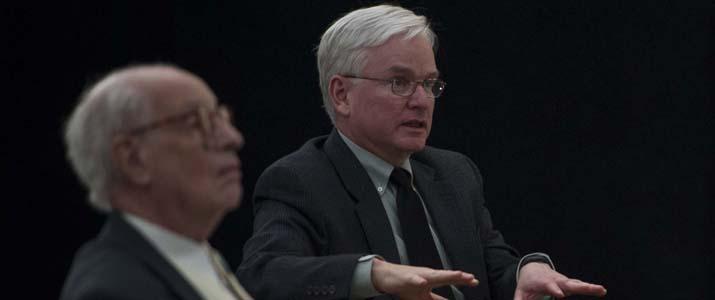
{"type": "Point", "coordinates": [450, 217]}
{"type": "Point", "coordinates": [368, 205]}
{"type": "Point", "coordinates": [119, 232]}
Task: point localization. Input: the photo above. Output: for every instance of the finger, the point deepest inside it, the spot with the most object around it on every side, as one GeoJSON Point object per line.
{"type": "Point", "coordinates": [418, 281]}
{"type": "Point", "coordinates": [553, 289]}
{"type": "Point", "coordinates": [518, 295]}
{"type": "Point", "coordinates": [441, 277]}
{"type": "Point", "coordinates": [474, 282]}
{"type": "Point", "coordinates": [578, 287]}
{"type": "Point", "coordinates": [437, 297]}
{"type": "Point", "coordinates": [467, 279]}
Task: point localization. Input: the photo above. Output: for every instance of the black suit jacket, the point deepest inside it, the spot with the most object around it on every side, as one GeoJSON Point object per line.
{"type": "Point", "coordinates": [122, 264]}
{"type": "Point", "coordinates": [317, 212]}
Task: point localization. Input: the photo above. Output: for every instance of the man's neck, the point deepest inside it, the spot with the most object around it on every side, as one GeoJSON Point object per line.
{"type": "Point", "coordinates": [396, 159]}
{"type": "Point", "coordinates": [194, 226]}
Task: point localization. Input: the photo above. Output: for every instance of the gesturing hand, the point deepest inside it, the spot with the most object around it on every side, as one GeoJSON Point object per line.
{"type": "Point", "coordinates": [538, 279]}
{"type": "Point", "coordinates": [408, 282]}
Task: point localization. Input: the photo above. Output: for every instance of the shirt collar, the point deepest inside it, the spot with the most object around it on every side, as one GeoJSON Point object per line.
{"type": "Point", "coordinates": [169, 243]}
{"type": "Point", "coordinates": [378, 169]}
{"type": "Point", "coordinates": [191, 258]}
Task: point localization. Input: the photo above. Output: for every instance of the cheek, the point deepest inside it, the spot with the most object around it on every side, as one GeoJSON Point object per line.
{"type": "Point", "coordinates": [193, 169]}
{"type": "Point", "coordinates": [377, 113]}
{"type": "Point", "coordinates": [430, 114]}
{"type": "Point", "coordinates": [380, 121]}
{"type": "Point", "coordinates": [200, 172]}
{"type": "Point", "coordinates": [385, 110]}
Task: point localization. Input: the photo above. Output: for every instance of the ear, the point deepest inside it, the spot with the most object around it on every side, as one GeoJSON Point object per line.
{"type": "Point", "coordinates": [338, 89]}
{"type": "Point", "coordinates": [130, 160]}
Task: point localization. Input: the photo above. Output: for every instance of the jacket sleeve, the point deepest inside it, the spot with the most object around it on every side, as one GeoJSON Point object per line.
{"type": "Point", "coordinates": [283, 259]}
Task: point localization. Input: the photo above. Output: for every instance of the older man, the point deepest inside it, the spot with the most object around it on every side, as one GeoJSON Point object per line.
{"type": "Point", "coordinates": [372, 187]}
{"type": "Point", "coordinates": [159, 154]}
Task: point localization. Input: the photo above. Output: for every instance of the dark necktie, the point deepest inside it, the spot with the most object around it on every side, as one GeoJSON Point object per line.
{"type": "Point", "coordinates": [420, 246]}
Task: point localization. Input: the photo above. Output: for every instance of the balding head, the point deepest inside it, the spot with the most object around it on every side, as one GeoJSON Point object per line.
{"type": "Point", "coordinates": [118, 101]}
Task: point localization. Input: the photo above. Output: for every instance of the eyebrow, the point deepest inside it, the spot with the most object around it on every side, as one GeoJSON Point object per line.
{"type": "Point", "coordinates": [407, 71]}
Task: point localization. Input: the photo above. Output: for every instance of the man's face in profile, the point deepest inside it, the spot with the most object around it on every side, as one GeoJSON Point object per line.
{"type": "Point", "coordinates": [195, 176]}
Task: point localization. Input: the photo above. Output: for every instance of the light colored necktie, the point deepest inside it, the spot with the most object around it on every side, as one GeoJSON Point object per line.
{"type": "Point", "coordinates": [229, 280]}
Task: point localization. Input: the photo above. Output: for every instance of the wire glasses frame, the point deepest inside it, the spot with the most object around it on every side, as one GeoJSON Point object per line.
{"type": "Point", "coordinates": [207, 120]}
{"type": "Point", "coordinates": [433, 87]}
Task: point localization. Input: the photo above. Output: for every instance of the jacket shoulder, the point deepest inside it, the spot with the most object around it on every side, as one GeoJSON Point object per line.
{"type": "Point", "coordinates": [441, 158]}
{"type": "Point", "coordinates": [308, 159]}
{"type": "Point", "coordinates": [101, 270]}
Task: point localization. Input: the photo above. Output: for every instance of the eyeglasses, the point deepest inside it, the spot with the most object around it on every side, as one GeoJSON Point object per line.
{"type": "Point", "coordinates": [206, 119]}
{"type": "Point", "coordinates": [405, 88]}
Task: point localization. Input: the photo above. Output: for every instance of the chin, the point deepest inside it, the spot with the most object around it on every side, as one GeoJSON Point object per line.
{"type": "Point", "coordinates": [234, 199]}
{"type": "Point", "coordinates": [231, 196]}
{"type": "Point", "coordinates": [413, 144]}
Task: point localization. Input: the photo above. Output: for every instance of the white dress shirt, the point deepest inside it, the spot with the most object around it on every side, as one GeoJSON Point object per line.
{"type": "Point", "coordinates": [191, 258]}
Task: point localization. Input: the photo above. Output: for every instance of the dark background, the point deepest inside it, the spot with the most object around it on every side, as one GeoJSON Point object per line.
{"type": "Point", "coordinates": [592, 121]}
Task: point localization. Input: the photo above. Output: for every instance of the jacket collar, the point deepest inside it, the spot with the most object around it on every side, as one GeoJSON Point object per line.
{"type": "Point", "coordinates": [121, 234]}
{"type": "Point", "coordinates": [368, 206]}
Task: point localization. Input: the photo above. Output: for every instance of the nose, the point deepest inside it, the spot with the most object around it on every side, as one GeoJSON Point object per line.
{"type": "Point", "coordinates": [420, 98]}
{"type": "Point", "coordinates": [229, 137]}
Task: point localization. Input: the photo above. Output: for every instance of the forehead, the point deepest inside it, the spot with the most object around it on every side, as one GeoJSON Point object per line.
{"type": "Point", "coordinates": [401, 56]}
{"type": "Point", "coordinates": [174, 91]}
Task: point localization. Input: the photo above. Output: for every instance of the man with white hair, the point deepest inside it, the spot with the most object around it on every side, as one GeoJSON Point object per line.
{"type": "Point", "coordinates": [371, 211]}
{"type": "Point", "coordinates": [158, 153]}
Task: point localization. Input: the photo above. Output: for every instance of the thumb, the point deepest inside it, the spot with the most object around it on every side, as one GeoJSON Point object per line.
{"type": "Point", "coordinates": [554, 289]}
{"type": "Point", "coordinates": [437, 297]}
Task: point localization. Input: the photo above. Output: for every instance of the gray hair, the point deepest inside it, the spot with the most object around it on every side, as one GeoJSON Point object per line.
{"type": "Point", "coordinates": [111, 105]}
{"type": "Point", "coordinates": [342, 46]}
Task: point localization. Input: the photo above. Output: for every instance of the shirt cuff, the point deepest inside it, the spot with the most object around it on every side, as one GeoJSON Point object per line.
{"type": "Point", "coordinates": [361, 286]}
{"type": "Point", "coordinates": [534, 257]}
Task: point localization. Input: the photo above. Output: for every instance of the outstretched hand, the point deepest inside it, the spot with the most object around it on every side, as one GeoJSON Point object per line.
{"type": "Point", "coordinates": [408, 282]}
{"type": "Point", "coordinates": [537, 280]}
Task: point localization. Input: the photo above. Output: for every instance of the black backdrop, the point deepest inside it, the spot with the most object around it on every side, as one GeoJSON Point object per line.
{"type": "Point", "coordinates": [592, 121]}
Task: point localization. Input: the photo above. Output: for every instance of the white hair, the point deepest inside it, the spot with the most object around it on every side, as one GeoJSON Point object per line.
{"type": "Point", "coordinates": [342, 46]}
{"type": "Point", "coordinates": [111, 105]}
